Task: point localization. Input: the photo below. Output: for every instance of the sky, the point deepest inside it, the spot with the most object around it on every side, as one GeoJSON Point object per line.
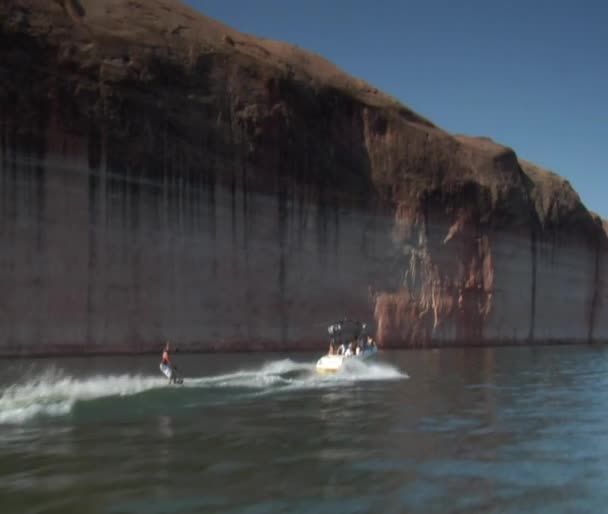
{"type": "Point", "coordinates": [532, 75]}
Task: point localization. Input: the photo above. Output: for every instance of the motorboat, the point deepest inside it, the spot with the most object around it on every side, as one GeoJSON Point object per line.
{"type": "Point", "coordinates": [347, 340]}
{"type": "Point", "coordinates": [333, 362]}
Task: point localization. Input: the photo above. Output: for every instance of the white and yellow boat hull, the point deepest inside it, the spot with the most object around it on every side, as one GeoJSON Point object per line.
{"type": "Point", "coordinates": [333, 363]}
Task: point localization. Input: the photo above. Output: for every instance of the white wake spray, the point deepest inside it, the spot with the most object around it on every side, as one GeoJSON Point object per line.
{"type": "Point", "coordinates": [55, 394]}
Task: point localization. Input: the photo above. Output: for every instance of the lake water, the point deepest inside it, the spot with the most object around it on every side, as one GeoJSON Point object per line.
{"type": "Point", "coordinates": [507, 430]}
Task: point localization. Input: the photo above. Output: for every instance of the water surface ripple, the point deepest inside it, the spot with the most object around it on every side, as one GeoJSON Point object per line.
{"type": "Point", "coordinates": [509, 430]}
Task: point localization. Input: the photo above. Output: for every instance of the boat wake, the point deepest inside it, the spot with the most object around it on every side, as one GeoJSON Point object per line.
{"type": "Point", "coordinates": [54, 393]}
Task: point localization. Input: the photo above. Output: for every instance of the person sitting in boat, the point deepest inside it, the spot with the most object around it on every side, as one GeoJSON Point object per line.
{"type": "Point", "coordinates": [362, 337]}
{"type": "Point", "coordinates": [331, 350]}
{"type": "Point", "coordinates": [167, 368]}
{"type": "Point", "coordinates": [341, 349]}
{"type": "Point", "coordinates": [349, 351]}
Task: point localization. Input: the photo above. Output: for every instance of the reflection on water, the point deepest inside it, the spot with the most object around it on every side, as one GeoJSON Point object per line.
{"type": "Point", "coordinates": [453, 431]}
{"type": "Point", "coordinates": [165, 427]}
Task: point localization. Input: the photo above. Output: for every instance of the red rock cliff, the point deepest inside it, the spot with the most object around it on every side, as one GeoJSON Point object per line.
{"type": "Point", "coordinates": [163, 175]}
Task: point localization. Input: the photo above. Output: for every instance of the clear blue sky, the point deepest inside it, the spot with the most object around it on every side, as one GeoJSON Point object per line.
{"type": "Point", "coordinates": [532, 75]}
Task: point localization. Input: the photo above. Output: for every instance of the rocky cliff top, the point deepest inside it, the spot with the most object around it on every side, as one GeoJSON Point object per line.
{"type": "Point", "coordinates": [121, 33]}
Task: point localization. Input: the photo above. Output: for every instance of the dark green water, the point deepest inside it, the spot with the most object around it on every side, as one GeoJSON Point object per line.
{"type": "Point", "coordinates": [510, 430]}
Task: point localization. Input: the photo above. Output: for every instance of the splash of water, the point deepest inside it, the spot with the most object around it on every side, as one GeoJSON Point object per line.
{"type": "Point", "coordinates": [366, 371]}
{"type": "Point", "coordinates": [55, 394]}
{"type": "Point", "coordinates": [270, 374]}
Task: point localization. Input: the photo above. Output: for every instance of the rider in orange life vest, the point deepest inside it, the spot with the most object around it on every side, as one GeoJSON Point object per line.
{"type": "Point", "coordinates": [165, 358]}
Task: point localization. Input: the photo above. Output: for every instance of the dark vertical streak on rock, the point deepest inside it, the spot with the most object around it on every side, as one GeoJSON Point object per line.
{"type": "Point", "coordinates": [11, 216]}
{"type": "Point", "coordinates": [3, 180]}
{"type": "Point", "coordinates": [125, 211]}
{"type": "Point", "coordinates": [94, 157]}
{"type": "Point", "coordinates": [336, 216]}
{"type": "Point", "coordinates": [105, 225]}
{"type": "Point", "coordinates": [126, 241]}
{"type": "Point", "coordinates": [38, 152]}
{"type": "Point", "coordinates": [245, 212]}
{"type": "Point", "coordinates": [233, 221]}
{"type": "Point", "coordinates": [233, 185]}
{"type": "Point", "coordinates": [322, 226]}
{"type": "Point", "coordinates": [3, 140]}
{"type": "Point", "coordinates": [92, 261]}
{"type": "Point", "coordinates": [596, 291]}
{"type": "Point", "coordinates": [282, 201]}
{"type": "Point", "coordinates": [179, 198]}
{"type": "Point", "coordinates": [107, 200]}
{"type": "Point", "coordinates": [9, 206]}
{"type": "Point", "coordinates": [364, 234]}
{"type": "Point", "coordinates": [534, 257]}
{"type": "Point", "coordinates": [40, 178]}
{"type": "Point", "coordinates": [302, 218]}
{"type": "Point", "coordinates": [94, 147]}
{"type": "Point", "coordinates": [245, 228]}
{"type": "Point", "coordinates": [192, 188]}
{"type": "Point", "coordinates": [212, 217]}
{"type": "Point", "coordinates": [135, 252]}
{"type": "Point", "coordinates": [169, 246]}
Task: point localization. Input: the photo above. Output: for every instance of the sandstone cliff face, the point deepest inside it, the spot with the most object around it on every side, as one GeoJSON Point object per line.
{"type": "Point", "coordinates": [164, 176]}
